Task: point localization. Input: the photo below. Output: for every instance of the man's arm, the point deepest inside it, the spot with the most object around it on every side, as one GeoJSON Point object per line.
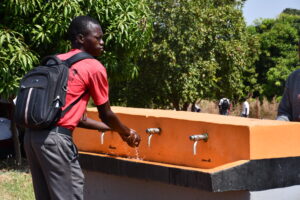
{"type": "Point", "coordinates": [93, 124]}
{"type": "Point", "coordinates": [111, 119]}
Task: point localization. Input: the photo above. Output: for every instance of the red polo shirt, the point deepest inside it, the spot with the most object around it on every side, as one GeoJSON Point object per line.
{"type": "Point", "coordinates": [88, 74]}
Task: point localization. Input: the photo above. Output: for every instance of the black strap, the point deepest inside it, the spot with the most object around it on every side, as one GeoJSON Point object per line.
{"type": "Point", "coordinates": [77, 57]}
{"type": "Point", "coordinates": [72, 104]}
{"type": "Point", "coordinates": [69, 62]}
{"type": "Point", "coordinates": [51, 60]}
{"type": "Point", "coordinates": [60, 129]}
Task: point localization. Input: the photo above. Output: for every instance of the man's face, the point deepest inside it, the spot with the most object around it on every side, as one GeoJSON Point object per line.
{"type": "Point", "coordinates": [93, 40]}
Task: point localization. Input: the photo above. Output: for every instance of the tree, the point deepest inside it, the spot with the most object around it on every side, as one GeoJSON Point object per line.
{"type": "Point", "coordinates": [16, 59]}
{"type": "Point", "coordinates": [279, 46]}
{"type": "Point", "coordinates": [199, 50]}
{"type": "Point", "coordinates": [44, 26]}
{"type": "Point", "coordinates": [291, 11]}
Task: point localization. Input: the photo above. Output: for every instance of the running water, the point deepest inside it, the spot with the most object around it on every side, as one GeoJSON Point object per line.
{"type": "Point", "coordinates": [137, 154]}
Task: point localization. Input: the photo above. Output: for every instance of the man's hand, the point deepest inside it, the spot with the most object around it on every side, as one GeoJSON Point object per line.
{"type": "Point", "coordinates": [133, 139]}
{"type": "Point", "coordinates": [110, 118]}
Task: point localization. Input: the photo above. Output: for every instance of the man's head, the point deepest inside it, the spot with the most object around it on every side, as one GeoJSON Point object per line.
{"type": "Point", "coordinates": [85, 33]}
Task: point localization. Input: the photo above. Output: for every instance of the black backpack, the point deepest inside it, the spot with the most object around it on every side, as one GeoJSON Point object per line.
{"type": "Point", "coordinates": [225, 104]}
{"type": "Point", "coordinates": [42, 93]}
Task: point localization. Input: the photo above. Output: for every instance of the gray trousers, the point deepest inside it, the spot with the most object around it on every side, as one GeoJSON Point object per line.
{"type": "Point", "coordinates": [53, 161]}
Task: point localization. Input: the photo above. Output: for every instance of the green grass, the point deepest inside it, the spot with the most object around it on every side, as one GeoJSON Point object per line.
{"type": "Point", "coordinates": [15, 181]}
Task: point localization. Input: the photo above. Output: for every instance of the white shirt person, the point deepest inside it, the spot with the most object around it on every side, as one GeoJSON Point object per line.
{"type": "Point", "coordinates": [245, 109]}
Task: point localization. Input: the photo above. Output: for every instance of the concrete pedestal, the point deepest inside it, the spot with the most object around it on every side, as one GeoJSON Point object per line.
{"type": "Point", "coordinates": [242, 159]}
{"type": "Point", "coordinates": [111, 187]}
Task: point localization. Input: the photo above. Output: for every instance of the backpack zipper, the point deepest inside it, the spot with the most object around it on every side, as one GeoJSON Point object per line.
{"type": "Point", "coordinates": [27, 105]}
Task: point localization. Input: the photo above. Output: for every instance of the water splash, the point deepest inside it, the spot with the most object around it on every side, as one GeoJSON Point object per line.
{"type": "Point", "coordinates": [137, 153]}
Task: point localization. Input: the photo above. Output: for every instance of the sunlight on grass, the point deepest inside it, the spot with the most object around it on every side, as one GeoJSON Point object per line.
{"type": "Point", "coordinates": [15, 181]}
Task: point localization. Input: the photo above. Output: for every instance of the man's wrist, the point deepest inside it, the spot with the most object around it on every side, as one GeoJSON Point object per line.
{"type": "Point", "coordinates": [126, 133]}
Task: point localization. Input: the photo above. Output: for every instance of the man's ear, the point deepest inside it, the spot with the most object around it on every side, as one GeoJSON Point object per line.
{"type": "Point", "coordinates": [80, 38]}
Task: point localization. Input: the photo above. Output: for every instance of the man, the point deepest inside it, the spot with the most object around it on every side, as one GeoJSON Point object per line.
{"type": "Point", "coordinates": [195, 108]}
{"type": "Point", "coordinates": [51, 154]}
{"type": "Point", "coordinates": [245, 109]}
{"type": "Point", "coordinates": [224, 106]}
{"type": "Point", "coordinates": [289, 107]}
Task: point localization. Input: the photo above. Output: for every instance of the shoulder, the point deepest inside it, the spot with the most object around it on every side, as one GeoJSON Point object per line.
{"type": "Point", "coordinates": [226, 100]}
{"type": "Point", "coordinates": [94, 64]}
{"type": "Point", "coordinates": [89, 66]}
{"type": "Point", "coordinates": [86, 64]}
{"type": "Point", "coordinates": [295, 73]}
{"type": "Point", "coordinates": [293, 77]}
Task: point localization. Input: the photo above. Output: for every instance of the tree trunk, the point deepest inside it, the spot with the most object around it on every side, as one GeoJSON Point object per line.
{"type": "Point", "coordinates": [15, 134]}
{"type": "Point", "coordinates": [257, 105]}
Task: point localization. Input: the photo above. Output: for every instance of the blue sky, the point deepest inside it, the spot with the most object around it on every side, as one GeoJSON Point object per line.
{"type": "Point", "coordinates": [255, 9]}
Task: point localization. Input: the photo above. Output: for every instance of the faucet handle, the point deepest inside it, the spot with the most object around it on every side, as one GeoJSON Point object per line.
{"type": "Point", "coordinates": [153, 130]}
{"type": "Point", "coordinates": [203, 136]}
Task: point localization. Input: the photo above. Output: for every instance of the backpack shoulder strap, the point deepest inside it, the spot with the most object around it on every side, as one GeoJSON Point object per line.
{"type": "Point", "coordinates": [77, 57]}
{"type": "Point", "coordinates": [51, 60]}
{"type": "Point", "coordinates": [72, 104]}
{"type": "Point", "coordinates": [69, 62]}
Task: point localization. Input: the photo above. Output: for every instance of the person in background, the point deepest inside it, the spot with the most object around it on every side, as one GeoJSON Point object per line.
{"type": "Point", "coordinates": [224, 106]}
{"type": "Point", "coordinates": [245, 109]}
{"type": "Point", "coordinates": [195, 108]}
{"type": "Point", "coordinates": [289, 107]}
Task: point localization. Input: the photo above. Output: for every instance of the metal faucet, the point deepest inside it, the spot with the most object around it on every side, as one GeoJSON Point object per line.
{"type": "Point", "coordinates": [197, 138]}
{"type": "Point", "coordinates": [152, 131]}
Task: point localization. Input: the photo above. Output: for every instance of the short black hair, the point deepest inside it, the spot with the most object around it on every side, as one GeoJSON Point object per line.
{"type": "Point", "coordinates": [79, 25]}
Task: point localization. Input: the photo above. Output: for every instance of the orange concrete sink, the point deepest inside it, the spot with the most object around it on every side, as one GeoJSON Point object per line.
{"type": "Point", "coordinates": [230, 139]}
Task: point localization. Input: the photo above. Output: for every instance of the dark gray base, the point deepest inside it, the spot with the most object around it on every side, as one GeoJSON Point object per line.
{"type": "Point", "coordinates": [255, 175]}
{"type": "Point", "coordinates": [111, 187]}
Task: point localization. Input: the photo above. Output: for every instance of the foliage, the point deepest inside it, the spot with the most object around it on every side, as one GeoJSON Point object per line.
{"type": "Point", "coordinates": [15, 60]}
{"type": "Point", "coordinates": [40, 28]}
{"type": "Point", "coordinates": [127, 31]}
{"type": "Point", "coordinates": [200, 49]}
{"type": "Point", "coordinates": [278, 38]}
{"type": "Point", "coordinates": [291, 11]}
